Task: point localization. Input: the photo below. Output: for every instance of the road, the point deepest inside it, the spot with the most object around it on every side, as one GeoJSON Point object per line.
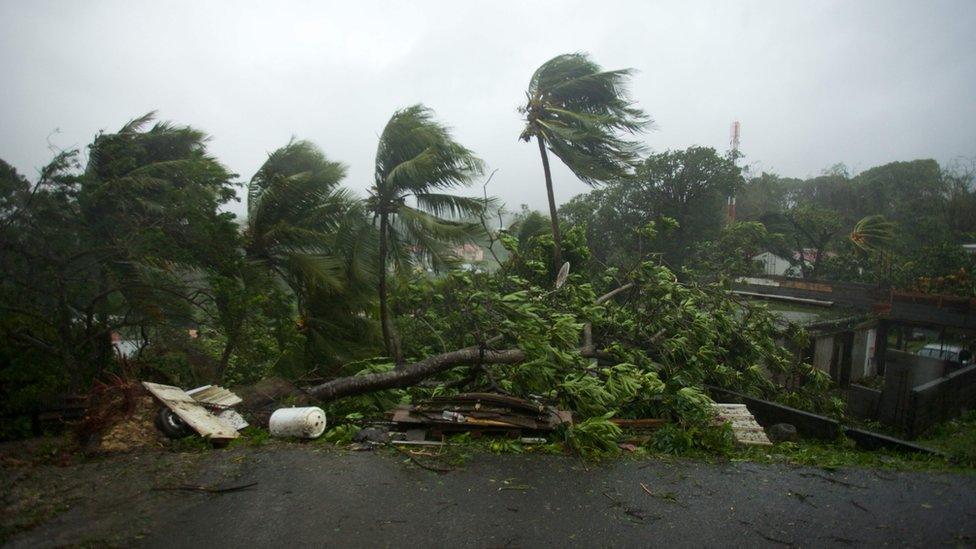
{"type": "Point", "coordinates": [311, 495]}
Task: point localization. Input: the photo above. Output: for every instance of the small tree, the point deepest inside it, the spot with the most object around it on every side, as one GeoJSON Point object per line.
{"type": "Point", "coordinates": [577, 110]}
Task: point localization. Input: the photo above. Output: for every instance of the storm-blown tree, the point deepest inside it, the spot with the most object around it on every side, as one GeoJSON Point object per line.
{"type": "Point", "coordinates": [417, 158]}
{"type": "Point", "coordinates": [120, 246]}
{"type": "Point", "coordinates": [579, 111]}
{"type": "Point", "coordinates": [314, 236]}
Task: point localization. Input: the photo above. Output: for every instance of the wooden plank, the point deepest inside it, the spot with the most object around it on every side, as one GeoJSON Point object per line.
{"type": "Point", "coordinates": [190, 411]}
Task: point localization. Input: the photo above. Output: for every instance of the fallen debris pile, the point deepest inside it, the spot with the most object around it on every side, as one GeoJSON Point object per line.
{"type": "Point", "coordinates": [480, 413]}
{"type": "Point", "coordinates": [119, 418]}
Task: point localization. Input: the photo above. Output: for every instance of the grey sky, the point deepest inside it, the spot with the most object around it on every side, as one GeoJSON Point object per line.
{"type": "Point", "coordinates": [813, 83]}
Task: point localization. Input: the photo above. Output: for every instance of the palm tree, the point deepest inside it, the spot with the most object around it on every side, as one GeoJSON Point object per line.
{"type": "Point", "coordinates": [417, 158]}
{"type": "Point", "coordinates": [873, 235]}
{"type": "Point", "coordinates": [315, 237]}
{"type": "Point", "coordinates": [298, 217]}
{"type": "Point", "coordinates": [578, 111]}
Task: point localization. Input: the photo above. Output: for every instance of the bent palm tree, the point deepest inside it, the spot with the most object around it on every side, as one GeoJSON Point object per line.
{"type": "Point", "coordinates": [872, 233]}
{"type": "Point", "coordinates": [417, 157]}
{"type": "Point", "coordinates": [296, 214]}
{"type": "Point", "coordinates": [578, 111]}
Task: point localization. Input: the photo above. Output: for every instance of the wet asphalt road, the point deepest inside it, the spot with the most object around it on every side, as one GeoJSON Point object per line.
{"type": "Point", "coordinates": [307, 497]}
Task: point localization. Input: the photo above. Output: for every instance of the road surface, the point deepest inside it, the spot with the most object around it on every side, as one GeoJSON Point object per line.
{"type": "Point", "coordinates": [311, 495]}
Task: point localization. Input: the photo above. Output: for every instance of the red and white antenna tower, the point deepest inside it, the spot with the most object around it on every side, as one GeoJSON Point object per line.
{"type": "Point", "coordinates": [734, 141]}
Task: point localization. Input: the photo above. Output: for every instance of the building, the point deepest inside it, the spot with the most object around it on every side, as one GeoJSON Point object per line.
{"type": "Point", "coordinates": [469, 253]}
{"type": "Point", "coordinates": [772, 264]}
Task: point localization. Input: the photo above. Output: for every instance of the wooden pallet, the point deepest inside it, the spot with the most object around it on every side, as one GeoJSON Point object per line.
{"type": "Point", "coordinates": [744, 426]}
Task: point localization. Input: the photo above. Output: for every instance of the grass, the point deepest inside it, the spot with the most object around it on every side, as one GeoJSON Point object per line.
{"type": "Point", "coordinates": [839, 454]}
{"type": "Point", "coordinates": [957, 438]}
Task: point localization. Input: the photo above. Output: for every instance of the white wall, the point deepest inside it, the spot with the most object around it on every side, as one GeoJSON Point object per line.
{"type": "Point", "coordinates": [772, 264]}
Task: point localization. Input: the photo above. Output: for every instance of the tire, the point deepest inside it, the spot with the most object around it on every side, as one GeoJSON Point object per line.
{"type": "Point", "coordinates": [170, 424]}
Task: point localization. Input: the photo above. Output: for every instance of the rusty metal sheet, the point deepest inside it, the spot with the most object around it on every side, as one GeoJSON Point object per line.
{"type": "Point", "coordinates": [806, 285]}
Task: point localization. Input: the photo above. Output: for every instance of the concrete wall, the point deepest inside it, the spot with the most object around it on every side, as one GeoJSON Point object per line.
{"type": "Point", "coordinates": [941, 399]}
{"type": "Point", "coordinates": [862, 402]}
{"type": "Point", "coordinates": [904, 372]}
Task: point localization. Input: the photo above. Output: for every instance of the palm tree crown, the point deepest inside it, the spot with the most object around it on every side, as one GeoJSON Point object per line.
{"type": "Point", "coordinates": [416, 158]}
{"type": "Point", "coordinates": [295, 215]}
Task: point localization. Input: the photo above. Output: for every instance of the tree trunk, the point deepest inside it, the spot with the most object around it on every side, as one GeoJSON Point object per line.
{"type": "Point", "coordinates": [411, 374]}
{"type": "Point", "coordinates": [557, 240]}
{"type": "Point", "coordinates": [66, 344]}
{"type": "Point", "coordinates": [225, 359]}
{"type": "Point", "coordinates": [389, 334]}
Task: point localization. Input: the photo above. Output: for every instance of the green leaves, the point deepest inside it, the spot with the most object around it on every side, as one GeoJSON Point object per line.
{"type": "Point", "coordinates": [595, 436]}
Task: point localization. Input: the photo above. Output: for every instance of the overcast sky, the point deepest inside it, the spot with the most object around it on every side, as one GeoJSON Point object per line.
{"type": "Point", "coordinates": [813, 83]}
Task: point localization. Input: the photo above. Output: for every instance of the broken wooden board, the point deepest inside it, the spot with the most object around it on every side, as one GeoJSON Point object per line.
{"type": "Point", "coordinates": [191, 412]}
{"type": "Point", "coordinates": [480, 411]}
{"type": "Point", "coordinates": [744, 426]}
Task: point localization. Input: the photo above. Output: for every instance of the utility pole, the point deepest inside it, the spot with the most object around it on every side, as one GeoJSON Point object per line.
{"type": "Point", "coordinates": [734, 142]}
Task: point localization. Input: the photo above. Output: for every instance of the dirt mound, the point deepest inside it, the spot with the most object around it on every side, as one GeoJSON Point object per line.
{"type": "Point", "coordinates": [119, 419]}
{"type": "Point", "coordinates": [135, 432]}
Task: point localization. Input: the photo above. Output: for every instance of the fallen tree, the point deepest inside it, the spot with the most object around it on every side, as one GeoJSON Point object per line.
{"type": "Point", "coordinates": [411, 374]}
{"type": "Point", "coordinates": [660, 342]}
{"type": "Point", "coordinates": [406, 375]}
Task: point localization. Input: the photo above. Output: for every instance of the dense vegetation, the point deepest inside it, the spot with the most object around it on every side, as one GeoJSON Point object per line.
{"type": "Point", "coordinates": [921, 215]}
{"type": "Point", "coordinates": [132, 240]}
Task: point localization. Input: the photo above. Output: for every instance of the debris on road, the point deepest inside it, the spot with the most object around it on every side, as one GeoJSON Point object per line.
{"type": "Point", "coordinates": [306, 422]}
{"type": "Point", "coordinates": [194, 413]}
{"type": "Point", "coordinates": [215, 395]}
{"type": "Point", "coordinates": [417, 443]}
{"type": "Point", "coordinates": [480, 413]}
{"type": "Point", "coordinates": [119, 418]}
{"type": "Point", "coordinates": [207, 489]}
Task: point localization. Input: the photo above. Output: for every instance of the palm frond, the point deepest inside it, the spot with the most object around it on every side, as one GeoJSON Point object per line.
{"type": "Point", "coordinates": [416, 154]}
{"type": "Point", "coordinates": [449, 205]}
